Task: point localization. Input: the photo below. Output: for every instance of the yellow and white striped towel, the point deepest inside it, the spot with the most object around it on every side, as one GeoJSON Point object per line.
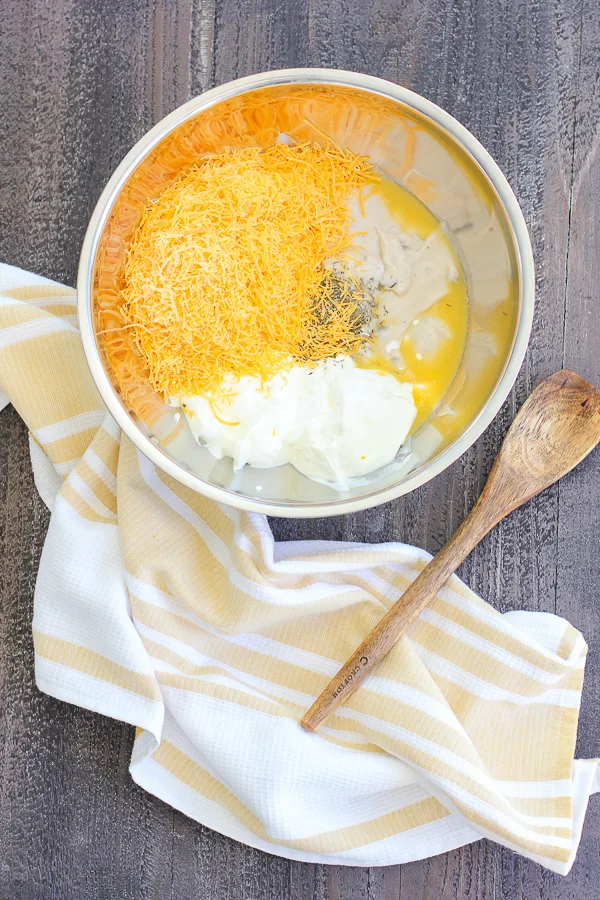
{"type": "Point", "coordinates": [183, 617]}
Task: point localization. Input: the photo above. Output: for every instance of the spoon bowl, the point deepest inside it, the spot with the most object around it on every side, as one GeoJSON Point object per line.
{"type": "Point", "coordinates": [555, 429]}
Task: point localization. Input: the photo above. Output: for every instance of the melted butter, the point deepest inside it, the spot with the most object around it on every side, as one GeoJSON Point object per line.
{"type": "Point", "coordinates": [431, 374]}
{"type": "Point", "coordinates": [461, 406]}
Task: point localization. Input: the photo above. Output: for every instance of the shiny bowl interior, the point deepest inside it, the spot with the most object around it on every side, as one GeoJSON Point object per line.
{"type": "Point", "coordinates": [413, 142]}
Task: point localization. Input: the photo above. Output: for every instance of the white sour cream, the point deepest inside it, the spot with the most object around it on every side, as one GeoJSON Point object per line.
{"type": "Point", "coordinates": [332, 422]}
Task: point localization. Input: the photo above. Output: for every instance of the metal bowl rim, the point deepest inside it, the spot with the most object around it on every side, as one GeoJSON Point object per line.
{"type": "Point", "coordinates": [336, 77]}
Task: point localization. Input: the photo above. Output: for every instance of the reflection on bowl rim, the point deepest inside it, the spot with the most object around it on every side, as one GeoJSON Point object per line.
{"type": "Point", "coordinates": [336, 77]}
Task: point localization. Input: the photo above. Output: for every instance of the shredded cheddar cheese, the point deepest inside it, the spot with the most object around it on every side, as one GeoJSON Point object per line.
{"type": "Point", "coordinates": [226, 275]}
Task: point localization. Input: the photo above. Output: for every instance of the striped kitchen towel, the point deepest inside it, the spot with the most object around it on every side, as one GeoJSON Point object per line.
{"type": "Point", "coordinates": [183, 617]}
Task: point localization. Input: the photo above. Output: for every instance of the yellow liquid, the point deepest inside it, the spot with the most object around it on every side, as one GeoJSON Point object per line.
{"type": "Point", "coordinates": [433, 373]}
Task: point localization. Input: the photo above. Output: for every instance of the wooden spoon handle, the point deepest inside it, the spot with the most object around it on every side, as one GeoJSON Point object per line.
{"type": "Point", "coordinates": [404, 611]}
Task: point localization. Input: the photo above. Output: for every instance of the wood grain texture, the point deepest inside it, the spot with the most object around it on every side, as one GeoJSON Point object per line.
{"type": "Point", "coordinates": [80, 82]}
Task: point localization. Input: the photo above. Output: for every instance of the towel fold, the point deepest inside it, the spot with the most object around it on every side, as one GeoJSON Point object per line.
{"type": "Point", "coordinates": [183, 617]}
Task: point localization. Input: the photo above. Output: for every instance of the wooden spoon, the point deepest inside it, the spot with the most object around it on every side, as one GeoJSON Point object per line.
{"type": "Point", "coordinates": [557, 426]}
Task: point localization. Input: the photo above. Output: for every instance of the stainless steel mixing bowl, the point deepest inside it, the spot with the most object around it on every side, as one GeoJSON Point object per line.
{"type": "Point", "coordinates": [415, 143]}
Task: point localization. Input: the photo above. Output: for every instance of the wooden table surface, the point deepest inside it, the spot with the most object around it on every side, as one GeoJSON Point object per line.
{"type": "Point", "coordinates": [80, 82]}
